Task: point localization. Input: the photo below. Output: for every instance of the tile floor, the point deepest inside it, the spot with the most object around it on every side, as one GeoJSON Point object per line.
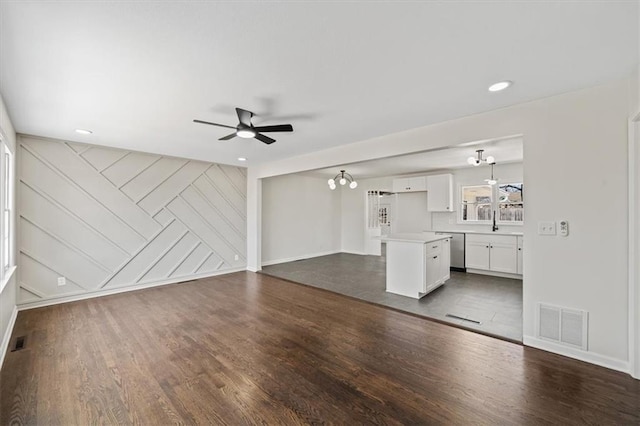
{"type": "Point", "coordinates": [494, 302]}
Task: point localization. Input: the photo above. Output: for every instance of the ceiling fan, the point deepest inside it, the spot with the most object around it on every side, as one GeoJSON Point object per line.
{"type": "Point", "coordinates": [245, 129]}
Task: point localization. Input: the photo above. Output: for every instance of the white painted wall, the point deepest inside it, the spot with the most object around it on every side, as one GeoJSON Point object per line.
{"type": "Point", "coordinates": [410, 212]}
{"type": "Point", "coordinates": [300, 218]}
{"type": "Point", "coordinates": [108, 219]}
{"type": "Point", "coordinates": [576, 140]}
{"type": "Point", "coordinates": [8, 295]}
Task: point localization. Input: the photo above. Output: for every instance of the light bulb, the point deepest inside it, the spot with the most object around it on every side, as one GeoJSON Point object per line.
{"type": "Point", "coordinates": [492, 181]}
{"type": "Point", "coordinates": [490, 159]}
{"type": "Point", "coordinates": [331, 182]}
{"type": "Point", "coordinates": [500, 86]}
{"type": "Point", "coordinates": [246, 133]}
{"type": "Point", "coordinates": [476, 162]}
{"type": "Point", "coordinates": [332, 186]}
{"type": "Point", "coordinates": [343, 181]}
{"type": "Point", "coordinates": [471, 160]}
{"type": "Point", "coordinates": [353, 185]}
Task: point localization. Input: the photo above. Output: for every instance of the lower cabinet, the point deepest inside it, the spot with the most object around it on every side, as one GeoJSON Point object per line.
{"type": "Point", "coordinates": [415, 266]}
{"type": "Point", "coordinates": [498, 253]}
{"type": "Point", "coordinates": [520, 247]}
{"type": "Point", "coordinates": [438, 260]}
{"type": "Point", "coordinates": [433, 272]}
{"type": "Point", "coordinates": [445, 264]}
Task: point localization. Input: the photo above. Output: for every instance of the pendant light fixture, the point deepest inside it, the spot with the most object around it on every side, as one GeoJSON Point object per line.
{"type": "Point", "coordinates": [476, 161]}
{"type": "Point", "coordinates": [492, 181]}
{"type": "Point", "coordinates": [342, 178]}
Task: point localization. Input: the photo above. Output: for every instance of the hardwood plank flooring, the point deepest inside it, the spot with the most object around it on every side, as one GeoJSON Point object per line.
{"type": "Point", "coordinates": [247, 348]}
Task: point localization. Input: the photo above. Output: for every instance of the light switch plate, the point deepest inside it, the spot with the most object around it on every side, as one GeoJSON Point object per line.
{"type": "Point", "coordinates": [546, 228]}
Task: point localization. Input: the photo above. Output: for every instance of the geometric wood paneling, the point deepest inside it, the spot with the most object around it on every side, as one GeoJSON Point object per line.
{"type": "Point", "coordinates": [108, 218]}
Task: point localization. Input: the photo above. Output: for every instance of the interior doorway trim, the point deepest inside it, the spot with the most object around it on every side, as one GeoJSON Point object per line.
{"type": "Point", "coordinates": [634, 245]}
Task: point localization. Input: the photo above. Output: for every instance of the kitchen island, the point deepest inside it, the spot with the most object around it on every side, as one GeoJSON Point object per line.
{"type": "Point", "coordinates": [417, 263]}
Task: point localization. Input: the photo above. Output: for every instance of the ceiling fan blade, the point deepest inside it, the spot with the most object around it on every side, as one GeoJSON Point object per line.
{"type": "Point", "coordinates": [244, 116]}
{"type": "Point", "coordinates": [226, 138]}
{"type": "Point", "coordinates": [265, 139]}
{"type": "Point", "coordinates": [213, 124]}
{"type": "Point", "coordinates": [276, 128]}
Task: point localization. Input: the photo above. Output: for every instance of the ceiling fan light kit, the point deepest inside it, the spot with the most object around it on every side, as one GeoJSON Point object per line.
{"type": "Point", "coordinates": [246, 130]}
{"type": "Point", "coordinates": [342, 178]}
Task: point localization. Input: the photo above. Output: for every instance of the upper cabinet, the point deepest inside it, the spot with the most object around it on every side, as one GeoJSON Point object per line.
{"type": "Point", "coordinates": [418, 183]}
{"type": "Point", "coordinates": [439, 193]}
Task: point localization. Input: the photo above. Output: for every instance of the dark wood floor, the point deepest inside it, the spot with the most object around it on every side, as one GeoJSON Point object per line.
{"type": "Point", "coordinates": [247, 348]}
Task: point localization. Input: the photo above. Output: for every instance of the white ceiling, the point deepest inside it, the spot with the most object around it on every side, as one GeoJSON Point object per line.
{"type": "Point", "coordinates": [508, 150]}
{"type": "Point", "coordinates": [138, 72]}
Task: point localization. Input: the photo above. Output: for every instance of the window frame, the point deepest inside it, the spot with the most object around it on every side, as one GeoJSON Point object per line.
{"type": "Point", "coordinates": [7, 209]}
{"type": "Point", "coordinates": [498, 203]}
{"type": "Point", "coordinates": [495, 203]}
{"type": "Point", "coordinates": [462, 204]}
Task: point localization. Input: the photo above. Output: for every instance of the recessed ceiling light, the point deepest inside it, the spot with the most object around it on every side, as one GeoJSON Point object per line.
{"type": "Point", "coordinates": [242, 159]}
{"type": "Point", "coordinates": [84, 132]}
{"type": "Point", "coordinates": [501, 85]}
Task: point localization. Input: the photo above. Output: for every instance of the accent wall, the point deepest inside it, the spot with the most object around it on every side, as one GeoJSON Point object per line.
{"type": "Point", "coordinates": [107, 219]}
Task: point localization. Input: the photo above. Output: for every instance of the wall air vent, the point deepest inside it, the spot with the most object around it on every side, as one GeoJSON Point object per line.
{"type": "Point", "coordinates": [562, 325]}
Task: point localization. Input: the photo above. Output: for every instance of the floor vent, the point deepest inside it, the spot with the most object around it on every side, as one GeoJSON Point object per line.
{"type": "Point", "coordinates": [20, 343]}
{"type": "Point", "coordinates": [462, 318]}
{"type": "Point", "coordinates": [562, 325]}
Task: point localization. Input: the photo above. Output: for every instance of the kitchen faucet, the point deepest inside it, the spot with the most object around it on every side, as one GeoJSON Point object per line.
{"type": "Point", "coordinates": [495, 227]}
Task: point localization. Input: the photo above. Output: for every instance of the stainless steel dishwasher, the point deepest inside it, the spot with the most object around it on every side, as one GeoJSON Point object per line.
{"type": "Point", "coordinates": [457, 250]}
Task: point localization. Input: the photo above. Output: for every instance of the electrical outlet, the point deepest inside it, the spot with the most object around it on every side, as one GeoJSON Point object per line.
{"type": "Point", "coordinates": [236, 257]}
{"type": "Point", "coordinates": [546, 228]}
{"type": "Point", "coordinates": [62, 281]}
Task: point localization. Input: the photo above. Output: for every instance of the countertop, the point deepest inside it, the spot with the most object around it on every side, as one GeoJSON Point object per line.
{"type": "Point", "coordinates": [498, 232]}
{"type": "Point", "coordinates": [421, 238]}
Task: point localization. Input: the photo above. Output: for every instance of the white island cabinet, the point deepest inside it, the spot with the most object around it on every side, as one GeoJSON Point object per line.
{"type": "Point", "coordinates": [417, 263]}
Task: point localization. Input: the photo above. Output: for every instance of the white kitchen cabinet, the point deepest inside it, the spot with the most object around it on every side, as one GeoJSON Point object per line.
{"type": "Point", "coordinates": [415, 263]}
{"type": "Point", "coordinates": [520, 248]}
{"type": "Point", "coordinates": [498, 253]}
{"type": "Point", "coordinates": [440, 193]}
{"type": "Point", "coordinates": [434, 268]}
{"type": "Point", "coordinates": [445, 265]}
{"type": "Point", "coordinates": [476, 254]}
{"type": "Point", "coordinates": [412, 184]}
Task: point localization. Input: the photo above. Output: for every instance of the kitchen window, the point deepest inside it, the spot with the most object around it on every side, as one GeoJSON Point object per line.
{"type": "Point", "coordinates": [510, 203]}
{"type": "Point", "coordinates": [478, 202]}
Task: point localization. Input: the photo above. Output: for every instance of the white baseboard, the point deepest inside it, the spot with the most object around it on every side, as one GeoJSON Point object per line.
{"type": "Point", "coordinates": [590, 357]}
{"type": "Point", "coordinates": [359, 253]}
{"type": "Point", "coordinates": [50, 302]}
{"type": "Point", "coordinates": [304, 256]}
{"type": "Point", "coordinates": [493, 273]}
{"type": "Point", "coordinates": [7, 335]}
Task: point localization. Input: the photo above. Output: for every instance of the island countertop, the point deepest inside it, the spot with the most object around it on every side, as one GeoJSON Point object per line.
{"type": "Point", "coordinates": [418, 237]}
